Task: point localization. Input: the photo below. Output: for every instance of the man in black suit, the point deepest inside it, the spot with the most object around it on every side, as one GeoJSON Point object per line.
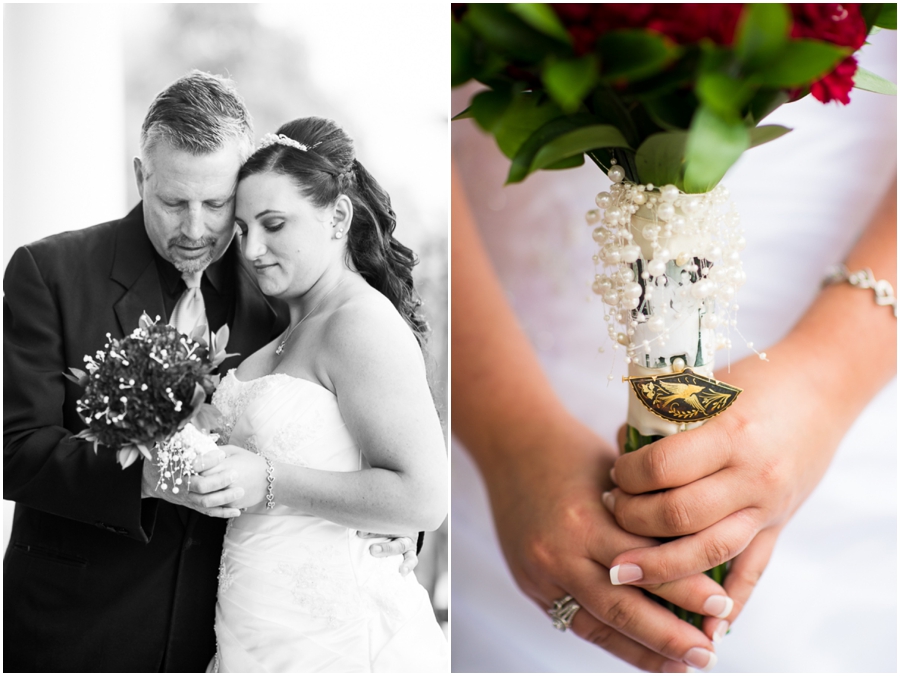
{"type": "Point", "coordinates": [102, 572]}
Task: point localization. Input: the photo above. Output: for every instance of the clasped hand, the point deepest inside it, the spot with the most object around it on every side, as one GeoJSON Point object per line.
{"type": "Point", "coordinates": [729, 486]}
{"type": "Point", "coordinates": [231, 478]}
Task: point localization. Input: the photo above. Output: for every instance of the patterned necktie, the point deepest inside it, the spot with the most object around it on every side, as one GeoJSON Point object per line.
{"type": "Point", "coordinates": [190, 310]}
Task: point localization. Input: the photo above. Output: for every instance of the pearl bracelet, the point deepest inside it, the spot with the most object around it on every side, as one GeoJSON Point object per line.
{"type": "Point", "coordinates": [270, 481]}
{"type": "Point", "coordinates": [863, 279]}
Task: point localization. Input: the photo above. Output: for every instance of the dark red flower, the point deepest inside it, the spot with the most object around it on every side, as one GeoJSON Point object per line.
{"type": "Point", "coordinates": [838, 24]}
{"type": "Point", "coordinates": [837, 84]}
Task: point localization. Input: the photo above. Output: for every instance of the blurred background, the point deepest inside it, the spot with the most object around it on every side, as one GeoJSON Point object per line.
{"type": "Point", "coordinates": [78, 78]}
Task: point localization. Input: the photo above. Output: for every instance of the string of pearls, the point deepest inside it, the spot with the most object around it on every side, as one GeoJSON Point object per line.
{"type": "Point", "coordinates": [667, 268]}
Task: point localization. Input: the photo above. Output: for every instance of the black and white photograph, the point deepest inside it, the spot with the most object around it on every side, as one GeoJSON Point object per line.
{"type": "Point", "coordinates": [225, 322]}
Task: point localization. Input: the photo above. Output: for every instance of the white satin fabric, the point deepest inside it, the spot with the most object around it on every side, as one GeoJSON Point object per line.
{"type": "Point", "coordinates": [298, 593]}
{"type": "Point", "coordinates": [828, 600]}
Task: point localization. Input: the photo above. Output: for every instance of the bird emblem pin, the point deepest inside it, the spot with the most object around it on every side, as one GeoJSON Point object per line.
{"type": "Point", "coordinates": [683, 396]}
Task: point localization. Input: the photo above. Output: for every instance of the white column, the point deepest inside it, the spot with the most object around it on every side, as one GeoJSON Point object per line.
{"type": "Point", "coordinates": [64, 163]}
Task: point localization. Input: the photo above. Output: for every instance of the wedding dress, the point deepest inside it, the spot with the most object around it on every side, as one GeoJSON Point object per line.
{"type": "Point", "coordinates": [828, 600]}
{"type": "Point", "coordinates": [298, 593]}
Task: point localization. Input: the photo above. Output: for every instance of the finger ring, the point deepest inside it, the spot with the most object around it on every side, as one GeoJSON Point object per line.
{"type": "Point", "coordinates": [563, 611]}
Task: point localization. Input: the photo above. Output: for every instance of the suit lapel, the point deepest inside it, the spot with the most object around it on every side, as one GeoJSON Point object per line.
{"type": "Point", "coordinates": [134, 268]}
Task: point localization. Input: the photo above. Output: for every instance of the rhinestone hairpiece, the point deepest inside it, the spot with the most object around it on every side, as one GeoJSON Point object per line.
{"type": "Point", "coordinates": [281, 139]}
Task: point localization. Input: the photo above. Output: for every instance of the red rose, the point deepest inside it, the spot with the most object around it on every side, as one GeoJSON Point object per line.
{"type": "Point", "coordinates": [838, 24]}
{"type": "Point", "coordinates": [837, 84]}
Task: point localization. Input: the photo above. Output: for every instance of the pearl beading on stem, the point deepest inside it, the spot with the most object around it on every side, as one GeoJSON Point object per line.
{"type": "Point", "coordinates": [670, 269]}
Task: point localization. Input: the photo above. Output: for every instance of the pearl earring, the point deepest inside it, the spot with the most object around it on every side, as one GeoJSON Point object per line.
{"type": "Point", "coordinates": [339, 234]}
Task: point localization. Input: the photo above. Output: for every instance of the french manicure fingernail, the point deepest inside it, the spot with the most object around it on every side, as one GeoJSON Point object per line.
{"type": "Point", "coordinates": [625, 572]}
{"type": "Point", "coordinates": [403, 570]}
{"type": "Point", "coordinates": [700, 658]}
{"type": "Point", "coordinates": [718, 606]}
{"type": "Point", "coordinates": [612, 475]}
{"type": "Point", "coordinates": [609, 501]}
{"type": "Point", "coordinates": [720, 631]}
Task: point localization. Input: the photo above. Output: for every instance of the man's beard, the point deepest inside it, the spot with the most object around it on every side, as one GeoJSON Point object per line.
{"type": "Point", "coordinates": [196, 264]}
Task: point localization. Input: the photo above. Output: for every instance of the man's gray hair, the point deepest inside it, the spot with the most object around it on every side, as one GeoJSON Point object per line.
{"type": "Point", "coordinates": [198, 113]}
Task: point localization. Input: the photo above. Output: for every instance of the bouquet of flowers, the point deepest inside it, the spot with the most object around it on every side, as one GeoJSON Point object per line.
{"type": "Point", "coordinates": [149, 390]}
{"type": "Point", "coordinates": [664, 98]}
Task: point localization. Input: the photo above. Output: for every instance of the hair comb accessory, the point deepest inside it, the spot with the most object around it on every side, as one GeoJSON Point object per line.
{"type": "Point", "coordinates": [281, 139]}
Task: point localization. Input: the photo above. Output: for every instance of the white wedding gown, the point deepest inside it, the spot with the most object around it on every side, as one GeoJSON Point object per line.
{"type": "Point", "coordinates": [828, 600]}
{"type": "Point", "coordinates": [298, 593]}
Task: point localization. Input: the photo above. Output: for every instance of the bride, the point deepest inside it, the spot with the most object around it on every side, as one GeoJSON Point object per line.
{"type": "Point", "coordinates": [331, 427]}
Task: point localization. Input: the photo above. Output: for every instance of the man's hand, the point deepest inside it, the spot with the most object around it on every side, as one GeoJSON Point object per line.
{"type": "Point", "coordinates": [194, 484]}
{"type": "Point", "coordinates": [396, 545]}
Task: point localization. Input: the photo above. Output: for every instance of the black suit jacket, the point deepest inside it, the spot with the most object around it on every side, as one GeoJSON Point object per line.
{"type": "Point", "coordinates": [94, 578]}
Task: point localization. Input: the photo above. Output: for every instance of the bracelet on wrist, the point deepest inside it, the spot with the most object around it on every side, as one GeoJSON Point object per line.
{"type": "Point", "coordinates": [863, 279]}
{"type": "Point", "coordinates": [270, 484]}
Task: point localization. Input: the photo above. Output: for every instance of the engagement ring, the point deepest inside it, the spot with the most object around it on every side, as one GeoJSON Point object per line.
{"type": "Point", "coordinates": [563, 611]}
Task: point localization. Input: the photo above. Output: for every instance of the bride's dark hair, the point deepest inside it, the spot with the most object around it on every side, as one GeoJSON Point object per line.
{"type": "Point", "coordinates": [328, 169]}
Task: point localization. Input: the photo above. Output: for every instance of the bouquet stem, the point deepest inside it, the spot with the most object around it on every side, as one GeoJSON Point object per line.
{"type": "Point", "coordinates": [633, 441]}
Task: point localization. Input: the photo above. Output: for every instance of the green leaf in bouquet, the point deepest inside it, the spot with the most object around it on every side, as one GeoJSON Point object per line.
{"type": "Point", "coordinates": [763, 103]}
{"type": "Point", "coordinates": [145, 322]}
{"type": "Point", "coordinates": [568, 163]}
{"type": "Point", "coordinates": [887, 17]}
{"type": "Point", "coordinates": [577, 142]}
{"type": "Point", "coordinates": [462, 58]}
{"type": "Point", "coordinates": [505, 32]}
{"type": "Point", "coordinates": [540, 16]}
{"type": "Point", "coordinates": [488, 107]}
{"type": "Point", "coordinates": [766, 133]}
{"type": "Point", "coordinates": [799, 63]}
{"type": "Point", "coordinates": [609, 108]}
{"type": "Point", "coordinates": [634, 54]}
{"type": "Point", "coordinates": [198, 398]}
{"type": "Point", "coordinates": [673, 111]}
{"type": "Point", "coordinates": [724, 95]}
{"type": "Point", "coordinates": [870, 12]}
{"type": "Point", "coordinates": [660, 159]}
{"type": "Point", "coordinates": [761, 34]}
{"type": "Point", "coordinates": [462, 115]}
{"type": "Point", "coordinates": [713, 146]}
{"type": "Point", "coordinates": [527, 113]}
{"type": "Point", "coordinates": [871, 82]}
{"type": "Point", "coordinates": [568, 81]}
{"type": "Point", "coordinates": [521, 165]}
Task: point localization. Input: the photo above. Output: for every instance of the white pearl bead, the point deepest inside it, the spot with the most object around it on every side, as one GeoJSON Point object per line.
{"type": "Point", "coordinates": [650, 232]}
{"type": "Point", "coordinates": [626, 275]}
{"type": "Point", "coordinates": [664, 254]}
{"type": "Point", "coordinates": [614, 214]}
{"type": "Point", "coordinates": [665, 211]}
{"type": "Point", "coordinates": [656, 267]}
{"type": "Point", "coordinates": [645, 275]}
{"type": "Point", "coordinates": [603, 200]}
{"type": "Point", "coordinates": [601, 286]}
{"type": "Point", "coordinates": [622, 339]}
{"type": "Point", "coordinates": [669, 193]}
{"type": "Point", "coordinates": [611, 297]}
{"type": "Point", "coordinates": [631, 303]}
{"type": "Point", "coordinates": [613, 257]}
{"type": "Point", "coordinates": [616, 174]}
{"type": "Point", "coordinates": [740, 243]}
{"type": "Point", "coordinates": [701, 289]}
{"type": "Point", "coordinates": [631, 253]}
{"type": "Point", "coordinates": [762, 355]}
{"type": "Point", "coordinates": [690, 205]}
{"type": "Point", "coordinates": [600, 234]}
{"type": "Point", "coordinates": [678, 223]}
{"type": "Point", "coordinates": [709, 321]}
{"type": "Point", "coordinates": [639, 198]}
{"type": "Point", "coordinates": [632, 290]}
{"type": "Point", "coordinates": [592, 216]}
{"type": "Point", "coordinates": [656, 324]}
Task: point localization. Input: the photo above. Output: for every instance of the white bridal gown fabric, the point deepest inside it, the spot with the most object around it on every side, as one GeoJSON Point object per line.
{"type": "Point", "coordinates": [298, 593]}
{"type": "Point", "coordinates": [828, 600]}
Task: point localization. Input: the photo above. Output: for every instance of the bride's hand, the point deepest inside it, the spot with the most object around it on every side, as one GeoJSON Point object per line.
{"type": "Point", "coordinates": [242, 475]}
{"type": "Point", "coordinates": [558, 540]}
{"type": "Point", "coordinates": [733, 483]}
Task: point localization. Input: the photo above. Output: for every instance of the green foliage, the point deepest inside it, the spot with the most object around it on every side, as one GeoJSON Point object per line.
{"type": "Point", "coordinates": [660, 159]}
{"type": "Point", "coordinates": [541, 17]}
{"type": "Point", "coordinates": [577, 142]}
{"type": "Point", "coordinates": [799, 63]}
{"type": "Point", "coordinates": [870, 82]}
{"type": "Point", "coordinates": [682, 114]}
{"type": "Point", "coordinates": [714, 144]}
{"type": "Point", "coordinates": [568, 81]}
{"type": "Point", "coordinates": [870, 12]}
{"type": "Point", "coordinates": [762, 34]}
{"type": "Point", "coordinates": [887, 18]}
{"type": "Point", "coordinates": [634, 55]}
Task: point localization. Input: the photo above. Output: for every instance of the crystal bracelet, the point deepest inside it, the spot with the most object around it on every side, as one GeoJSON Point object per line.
{"type": "Point", "coordinates": [863, 279]}
{"type": "Point", "coordinates": [270, 481]}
